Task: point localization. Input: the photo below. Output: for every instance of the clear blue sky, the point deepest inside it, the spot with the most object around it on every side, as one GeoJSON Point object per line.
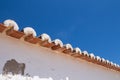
{"type": "Point", "coordinates": [92, 25]}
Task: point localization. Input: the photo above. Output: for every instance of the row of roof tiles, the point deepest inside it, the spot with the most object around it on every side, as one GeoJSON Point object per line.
{"type": "Point", "coordinates": [11, 28]}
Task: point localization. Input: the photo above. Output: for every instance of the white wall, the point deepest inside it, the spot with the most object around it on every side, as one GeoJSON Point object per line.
{"type": "Point", "coordinates": [47, 63]}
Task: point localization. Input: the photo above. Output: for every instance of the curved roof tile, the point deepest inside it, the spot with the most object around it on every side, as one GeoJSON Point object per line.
{"type": "Point", "coordinates": [10, 27]}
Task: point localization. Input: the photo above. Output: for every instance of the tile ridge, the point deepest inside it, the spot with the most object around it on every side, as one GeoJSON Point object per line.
{"type": "Point", "coordinates": [11, 28]}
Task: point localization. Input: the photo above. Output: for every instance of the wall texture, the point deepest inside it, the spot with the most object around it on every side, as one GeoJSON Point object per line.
{"type": "Point", "coordinates": [44, 62]}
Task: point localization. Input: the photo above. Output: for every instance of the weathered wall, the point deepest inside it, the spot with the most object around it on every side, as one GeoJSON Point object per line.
{"type": "Point", "coordinates": [47, 63]}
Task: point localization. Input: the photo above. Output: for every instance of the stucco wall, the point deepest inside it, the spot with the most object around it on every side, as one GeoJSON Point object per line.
{"type": "Point", "coordinates": [44, 62]}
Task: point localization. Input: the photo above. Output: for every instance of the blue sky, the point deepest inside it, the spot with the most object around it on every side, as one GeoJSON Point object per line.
{"type": "Point", "coordinates": [92, 25]}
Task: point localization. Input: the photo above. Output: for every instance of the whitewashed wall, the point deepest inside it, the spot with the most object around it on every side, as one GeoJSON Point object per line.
{"type": "Point", "coordinates": [45, 63]}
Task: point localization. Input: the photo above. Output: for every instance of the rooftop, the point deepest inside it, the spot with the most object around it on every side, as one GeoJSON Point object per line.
{"type": "Point", "coordinates": [11, 28]}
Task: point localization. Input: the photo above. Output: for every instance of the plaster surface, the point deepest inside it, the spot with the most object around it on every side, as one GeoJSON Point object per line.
{"type": "Point", "coordinates": [44, 62]}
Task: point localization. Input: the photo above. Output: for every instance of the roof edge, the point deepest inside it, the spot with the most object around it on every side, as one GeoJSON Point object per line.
{"type": "Point", "coordinates": [44, 40]}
